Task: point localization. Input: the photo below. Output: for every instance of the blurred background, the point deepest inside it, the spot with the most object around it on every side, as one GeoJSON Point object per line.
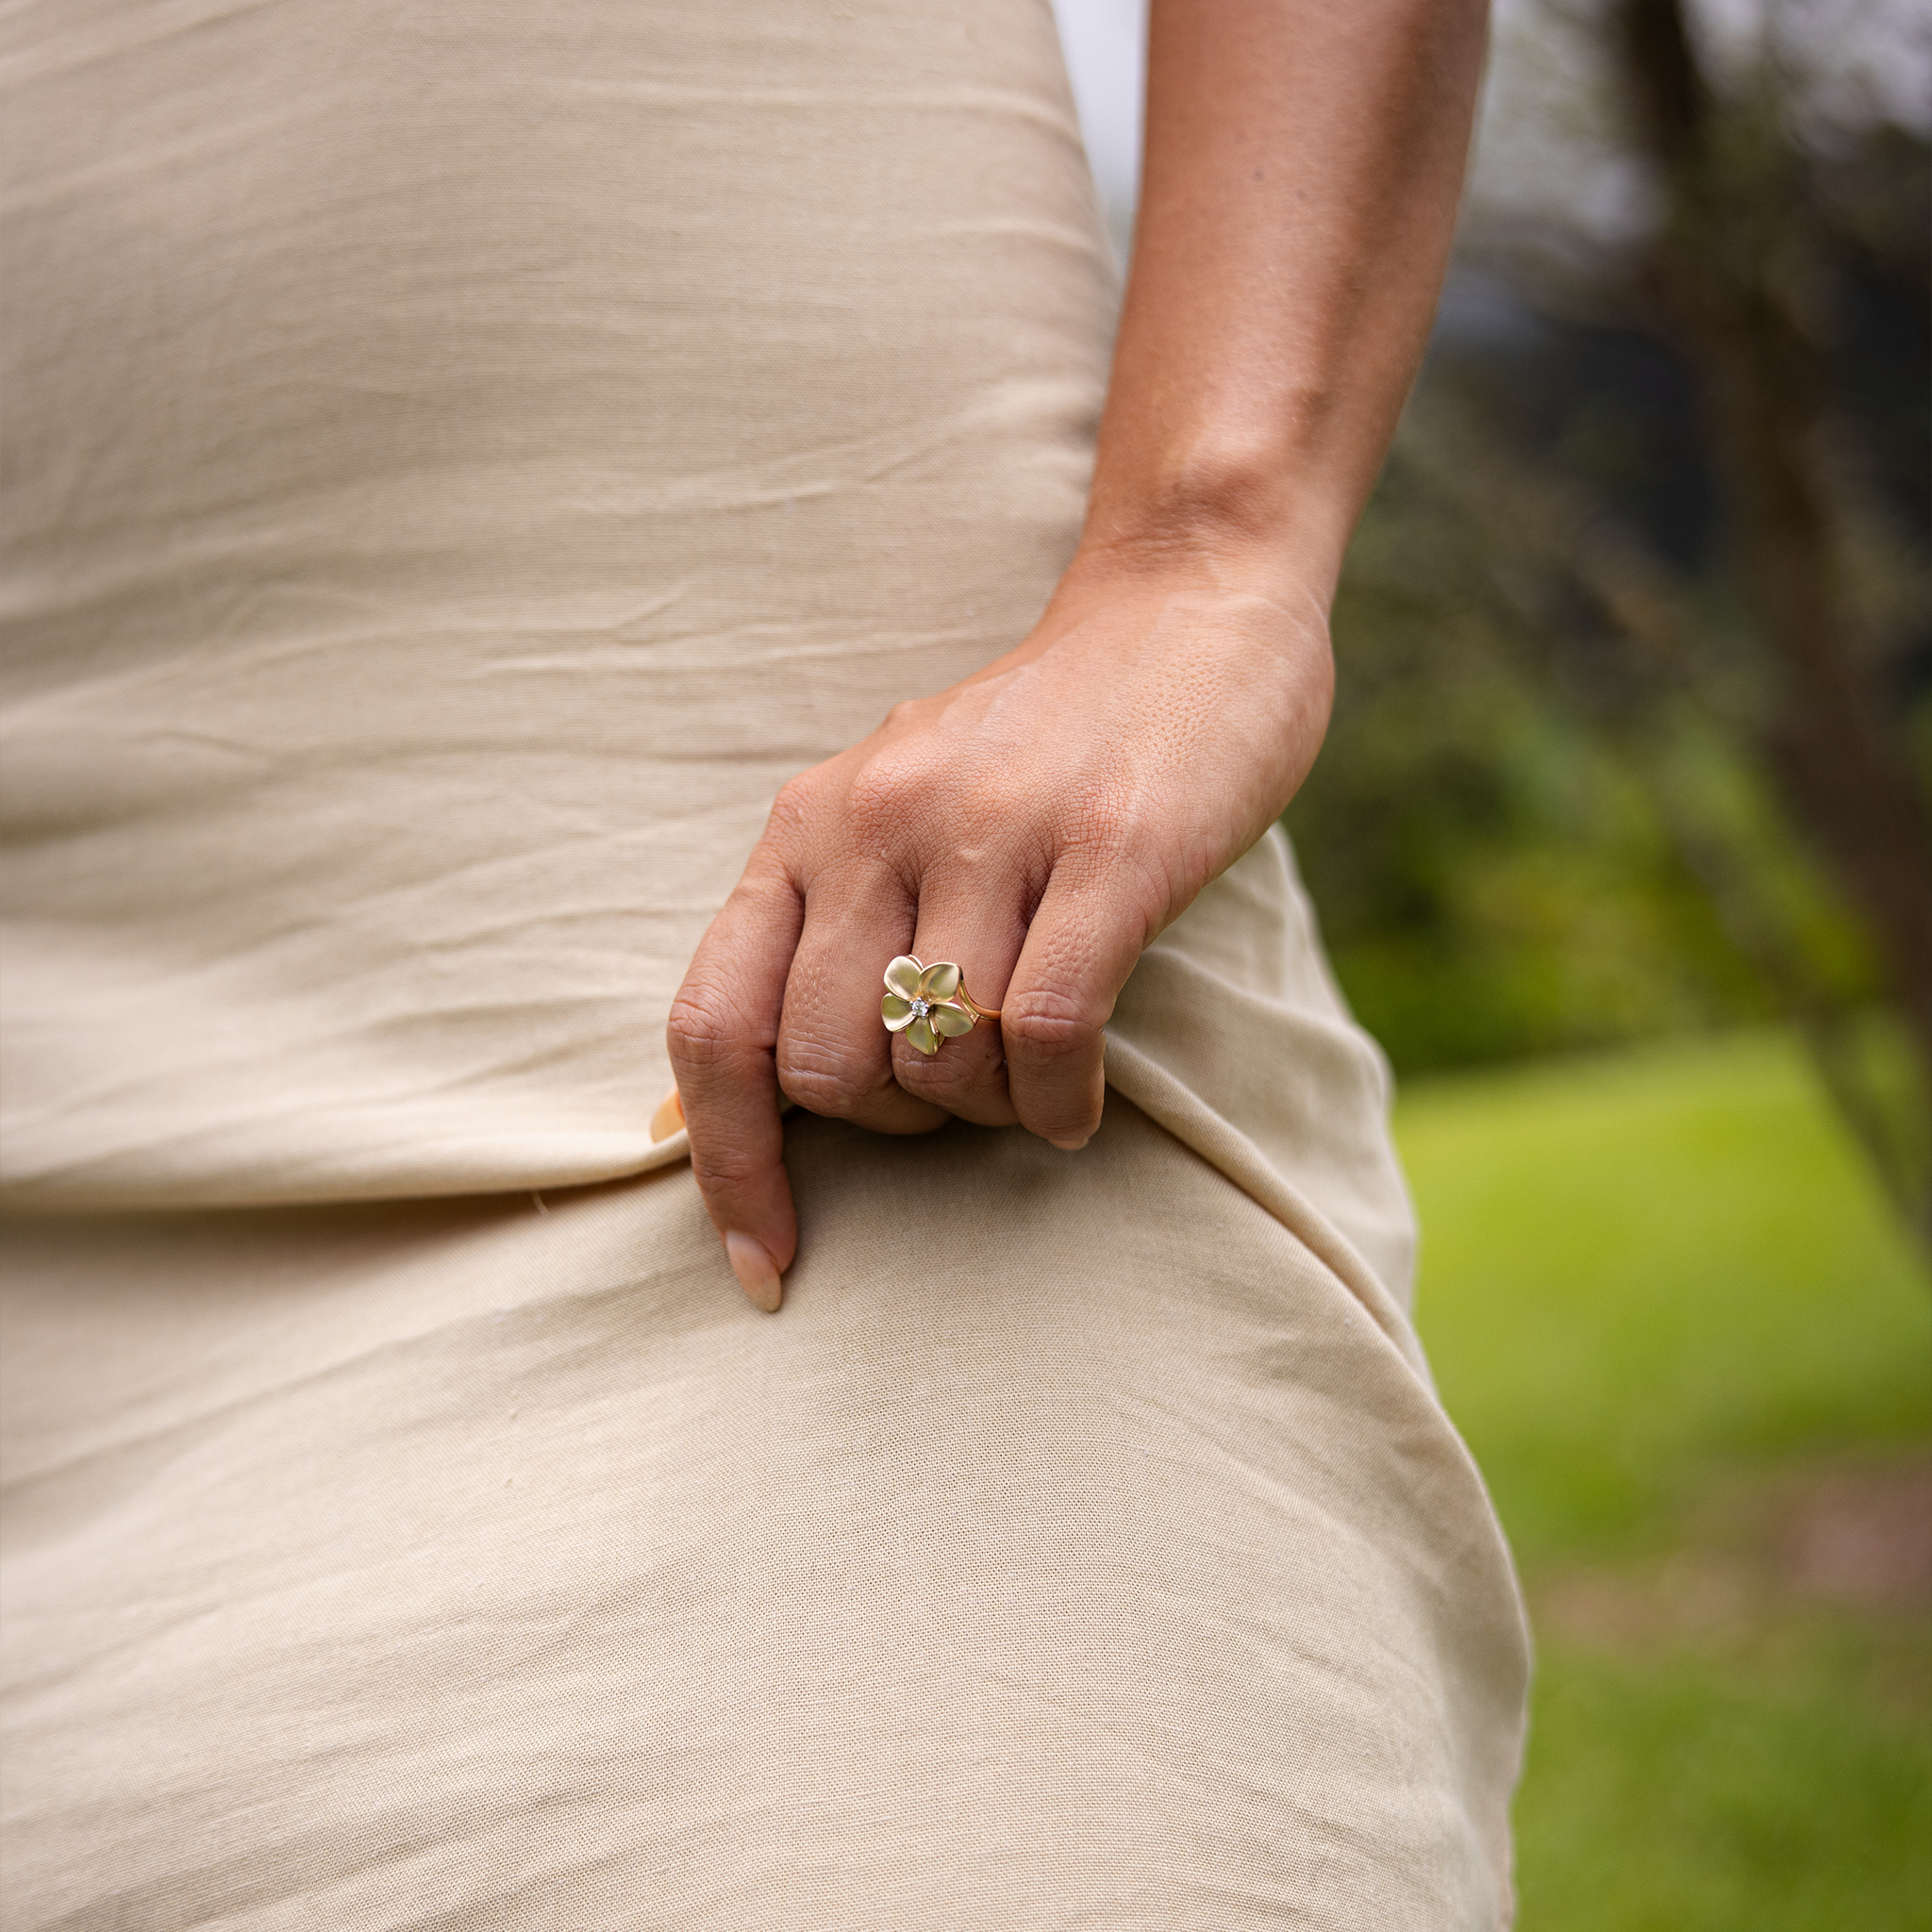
{"type": "Point", "coordinates": [1622, 844]}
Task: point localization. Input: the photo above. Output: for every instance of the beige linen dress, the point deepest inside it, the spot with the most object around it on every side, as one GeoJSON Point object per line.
{"type": "Point", "coordinates": [463, 457]}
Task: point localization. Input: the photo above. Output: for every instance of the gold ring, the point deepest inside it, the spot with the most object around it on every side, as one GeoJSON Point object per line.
{"type": "Point", "coordinates": [928, 1004]}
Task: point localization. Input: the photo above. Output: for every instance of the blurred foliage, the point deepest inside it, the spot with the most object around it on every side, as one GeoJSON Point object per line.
{"type": "Point", "coordinates": [1662, 1798]}
{"type": "Point", "coordinates": [1589, 777]}
{"type": "Point", "coordinates": [1644, 1269]}
{"type": "Point", "coordinates": [1504, 841]}
{"type": "Point", "coordinates": [1495, 879]}
{"type": "Point", "coordinates": [1663, 1301]}
{"type": "Point", "coordinates": [1647, 580]}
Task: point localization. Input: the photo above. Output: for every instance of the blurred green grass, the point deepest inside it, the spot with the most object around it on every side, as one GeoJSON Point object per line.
{"type": "Point", "coordinates": [1660, 1291]}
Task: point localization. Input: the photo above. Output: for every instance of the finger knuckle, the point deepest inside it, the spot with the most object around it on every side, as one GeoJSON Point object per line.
{"type": "Point", "coordinates": [724, 1171]}
{"type": "Point", "coordinates": [793, 810]}
{"type": "Point", "coordinates": [1044, 1026]}
{"type": "Point", "coordinates": [826, 1087]}
{"type": "Point", "coordinates": [703, 1030]}
{"type": "Point", "coordinates": [998, 797]}
{"type": "Point", "coordinates": [996, 825]}
{"type": "Point", "coordinates": [939, 1079]}
{"type": "Point", "coordinates": [887, 796]}
{"type": "Point", "coordinates": [1098, 845]}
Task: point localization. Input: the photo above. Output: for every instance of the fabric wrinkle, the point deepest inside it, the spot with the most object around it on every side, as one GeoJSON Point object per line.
{"type": "Point", "coordinates": [465, 459]}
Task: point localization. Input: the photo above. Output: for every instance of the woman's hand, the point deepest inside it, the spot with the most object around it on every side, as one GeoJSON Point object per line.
{"type": "Point", "coordinates": [1039, 824]}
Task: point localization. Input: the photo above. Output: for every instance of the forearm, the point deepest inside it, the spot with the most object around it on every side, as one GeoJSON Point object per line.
{"type": "Point", "coordinates": [1303, 166]}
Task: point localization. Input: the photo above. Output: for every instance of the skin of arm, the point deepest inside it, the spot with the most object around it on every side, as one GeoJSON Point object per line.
{"type": "Point", "coordinates": [1041, 822]}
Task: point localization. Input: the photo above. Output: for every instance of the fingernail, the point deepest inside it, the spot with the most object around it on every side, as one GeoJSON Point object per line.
{"type": "Point", "coordinates": [669, 1118]}
{"type": "Point", "coordinates": [757, 1274]}
{"type": "Point", "coordinates": [1071, 1147]}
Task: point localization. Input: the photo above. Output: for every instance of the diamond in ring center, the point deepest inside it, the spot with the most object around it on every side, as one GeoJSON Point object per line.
{"type": "Point", "coordinates": [921, 1008]}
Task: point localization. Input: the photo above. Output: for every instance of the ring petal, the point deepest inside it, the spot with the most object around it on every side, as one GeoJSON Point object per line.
{"type": "Point", "coordinates": [922, 1036]}
{"type": "Point", "coordinates": [902, 976]}
{"type": "Point", "coordinates": [940, 981]}
{"type": "Point", "coordinates": [952, 1021]}
{"type": "Point", "coordinates": [896, 1012]}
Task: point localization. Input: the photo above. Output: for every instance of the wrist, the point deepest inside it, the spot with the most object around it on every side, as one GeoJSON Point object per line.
{"type": "Point", "coordinates": [1196, 594]}
{"type": "Point", "coordinates": [1224, 514]}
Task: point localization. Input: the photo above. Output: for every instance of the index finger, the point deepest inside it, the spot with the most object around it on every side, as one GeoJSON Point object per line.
{"type": "Point", "coordinates": [724, 1036]}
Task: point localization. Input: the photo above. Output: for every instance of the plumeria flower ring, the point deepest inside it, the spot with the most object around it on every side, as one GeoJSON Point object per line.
{"type": "Point", "coordinates": [928, 1004]}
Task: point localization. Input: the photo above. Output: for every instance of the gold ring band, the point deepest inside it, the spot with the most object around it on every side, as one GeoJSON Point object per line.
{"type": "Point", "coordinates": [929, 1004]}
